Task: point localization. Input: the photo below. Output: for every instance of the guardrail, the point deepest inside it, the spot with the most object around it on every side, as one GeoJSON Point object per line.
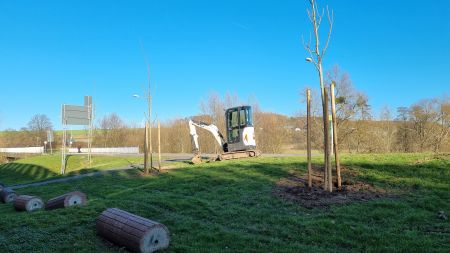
{"type": "Point", "coordinates": [118, 150]}
{"type": "Point", "coordinates": [25, 150]}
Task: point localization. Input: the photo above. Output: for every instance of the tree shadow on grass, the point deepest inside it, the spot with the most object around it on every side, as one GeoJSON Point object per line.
{"type": "Point", "coordinates": [17, 173]}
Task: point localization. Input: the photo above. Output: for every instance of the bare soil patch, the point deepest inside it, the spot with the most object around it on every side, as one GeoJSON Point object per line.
{"type": "Point", "coordinates": [295, 188]}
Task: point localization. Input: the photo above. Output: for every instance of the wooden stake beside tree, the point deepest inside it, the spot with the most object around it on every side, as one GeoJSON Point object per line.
{"type": "Point", "coordinates": [328, 182]}
{"type": "Point", "coordinates": [146, 148]}
{"type": "Point", "coordinates": [159, 145]}
{"type": "Point", "coordinates": [335, 139]}
{"type": "Point", "coordinates": [308, 135]}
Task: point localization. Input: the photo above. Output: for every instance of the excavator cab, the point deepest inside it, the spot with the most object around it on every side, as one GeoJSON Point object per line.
{"type": "Point", "coordinates": [240, 130]}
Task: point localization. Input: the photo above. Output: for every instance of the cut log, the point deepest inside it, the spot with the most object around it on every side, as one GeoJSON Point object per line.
{"type": "Point", "coordinates": [7, 195]}
{"type": "Point", "coordinates": [28, 203]}
{"type": "Point", "coordinates": [66, 200]}
{"type": "Point", "coordinates": [136, 233]}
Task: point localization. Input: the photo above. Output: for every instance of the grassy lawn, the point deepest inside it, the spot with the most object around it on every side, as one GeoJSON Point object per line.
{"type": "Point", "coordinates": [49, 166]}
{"type": "Point", "coordinates": [230, 207]}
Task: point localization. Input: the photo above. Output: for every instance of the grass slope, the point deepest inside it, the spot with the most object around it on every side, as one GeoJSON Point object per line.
{"type": "Point", "coordinates": [229, 207]}
{"type": "Point", "coordinates": [49, 166]}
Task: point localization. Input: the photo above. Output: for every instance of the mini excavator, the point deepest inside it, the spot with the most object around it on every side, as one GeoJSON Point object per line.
{"type": "Point", "coordinates": [240, 135]}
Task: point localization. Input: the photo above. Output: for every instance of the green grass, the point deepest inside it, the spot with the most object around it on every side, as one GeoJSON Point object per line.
{"type": "Point", "coordinates": [230, 207]}
{"type": "Point", "coordinates": [49, 166]}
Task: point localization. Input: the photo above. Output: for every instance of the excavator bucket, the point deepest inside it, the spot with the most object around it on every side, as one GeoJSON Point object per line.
{"type": "Point", "coordinates": [196, 159]}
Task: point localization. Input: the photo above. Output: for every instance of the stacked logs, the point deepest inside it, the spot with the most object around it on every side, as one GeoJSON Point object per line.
{"type": "Point", "coordinates": [66, 200]}
{"type": "Point", "coordinates": [28, 203]}
{"type": "Point", "coordinates": [136, 233]}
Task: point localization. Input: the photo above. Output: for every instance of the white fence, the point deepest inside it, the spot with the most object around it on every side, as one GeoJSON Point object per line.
{"type": "Point", "coordinates": [120, 150]}
{"type": "Point", "coordinates": [27, 150]}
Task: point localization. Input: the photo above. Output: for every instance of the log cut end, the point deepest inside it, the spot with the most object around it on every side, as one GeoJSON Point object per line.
{"type": "Point", "coordinates": [75, 199]}
{"type": "Point", "coordinates": [7, 195]}
{"type": "Point", "coordinates": [66, 200]}
{"type": "Point", "coordinates": [133, 232]}
{"type": "Point", "coordinates": [28, 203]}
{"type": "Point", "coordinates": [155, 239]}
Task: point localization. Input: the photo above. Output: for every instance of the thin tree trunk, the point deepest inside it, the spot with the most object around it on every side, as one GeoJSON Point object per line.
{"type": "Point", "coordinates": [335, 138]}
{"type": "Point", "coordinates": [308, 135]}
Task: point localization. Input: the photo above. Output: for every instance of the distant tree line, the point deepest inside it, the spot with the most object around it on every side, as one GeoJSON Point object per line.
{"type": "Point", "coordinates": [423, 126]}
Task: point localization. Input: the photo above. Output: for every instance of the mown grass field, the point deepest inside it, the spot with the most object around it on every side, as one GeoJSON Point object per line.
{"type": "Point", "coordinates": [230, 207]}
{"type": "Point", "coordinates": [49, 166]}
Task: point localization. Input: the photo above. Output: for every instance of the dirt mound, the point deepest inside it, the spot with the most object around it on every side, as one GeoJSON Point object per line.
{"type": "Point", "coordinates": [295, 188]}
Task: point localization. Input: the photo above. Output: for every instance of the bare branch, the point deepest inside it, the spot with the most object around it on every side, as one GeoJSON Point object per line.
{"type": "Point", "coordinates": [320, 16]}
{"type": "Point", "coordinates": [330, 21]}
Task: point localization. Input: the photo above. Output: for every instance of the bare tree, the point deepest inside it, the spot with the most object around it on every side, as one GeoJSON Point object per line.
{"type": "Point", "coordinates": [38, 126]}
{"type": "Point", "coordinates": [111, 132]}
{"type": "Point", "coordinates": [316, 55]}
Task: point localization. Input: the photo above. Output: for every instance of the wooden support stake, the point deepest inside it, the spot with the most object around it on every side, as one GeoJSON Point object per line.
{"type": "Point", "coordinates": [133, 232]}
{"type": "Point", "coordinates": [146, 147]}
{"type": "Point", "coordinates": [159, 145]}
{"type": "Point", "coordinates": [335, 139]}
{"type": "Point", "coordinates": [308, 135]}
{"type": "Point", "coordinates": [329, 179]}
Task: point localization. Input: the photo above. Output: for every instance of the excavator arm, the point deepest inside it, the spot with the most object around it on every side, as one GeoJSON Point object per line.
{"type": "Point", "coordinates": [208, 127]}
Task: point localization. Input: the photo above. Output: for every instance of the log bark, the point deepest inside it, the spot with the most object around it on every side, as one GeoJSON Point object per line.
{"type": "Point", "coordinates": [28, 203]}
{"type": "Point", "coordinates": [7, 195]}
{"type": "Point", "coordinates": [136, 233]}
{"type": "Point", "coordinates": [66, 200]}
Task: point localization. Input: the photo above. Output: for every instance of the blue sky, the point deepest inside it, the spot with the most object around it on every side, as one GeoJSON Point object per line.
{"type": "Point", "coordinates": [55, 52]}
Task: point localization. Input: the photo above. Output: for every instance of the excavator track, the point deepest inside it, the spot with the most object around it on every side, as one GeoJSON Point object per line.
{"type": "Point", "coordinates": [229, 156]}
{"type": "Point", "coordinates": [238, 155]}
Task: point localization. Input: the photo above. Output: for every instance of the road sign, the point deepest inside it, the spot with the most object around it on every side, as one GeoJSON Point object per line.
{"type": "Point", "coordinates": [75, 115]}
{"type": "Point", "coordinates": [49, 136]}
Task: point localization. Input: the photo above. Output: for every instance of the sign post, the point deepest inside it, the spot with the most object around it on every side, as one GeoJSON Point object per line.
{"type": "Point", "coordinates": [76, 115]}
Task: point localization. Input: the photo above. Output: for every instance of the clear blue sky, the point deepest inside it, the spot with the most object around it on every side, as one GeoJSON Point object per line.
{"type": "Point", "coordinates": [54, 52]}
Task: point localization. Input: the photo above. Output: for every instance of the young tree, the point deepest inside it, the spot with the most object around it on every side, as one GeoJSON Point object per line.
{"type": "Point", "coordinates": [316, 55]}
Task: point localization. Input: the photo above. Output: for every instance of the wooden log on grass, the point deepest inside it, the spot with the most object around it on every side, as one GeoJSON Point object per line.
{"type": "Point", "coordinates": [133, 232]}
{"type": "Point", "coordinates": [7, 195]}
{"type": "Point", "coordinates": [66, 200]}
{"type": "Point", "coordinates": [28, 203]}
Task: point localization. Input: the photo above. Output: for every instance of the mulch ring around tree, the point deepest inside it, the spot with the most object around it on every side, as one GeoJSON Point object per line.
{"type": "Point", "coordinates": [295, 188]}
